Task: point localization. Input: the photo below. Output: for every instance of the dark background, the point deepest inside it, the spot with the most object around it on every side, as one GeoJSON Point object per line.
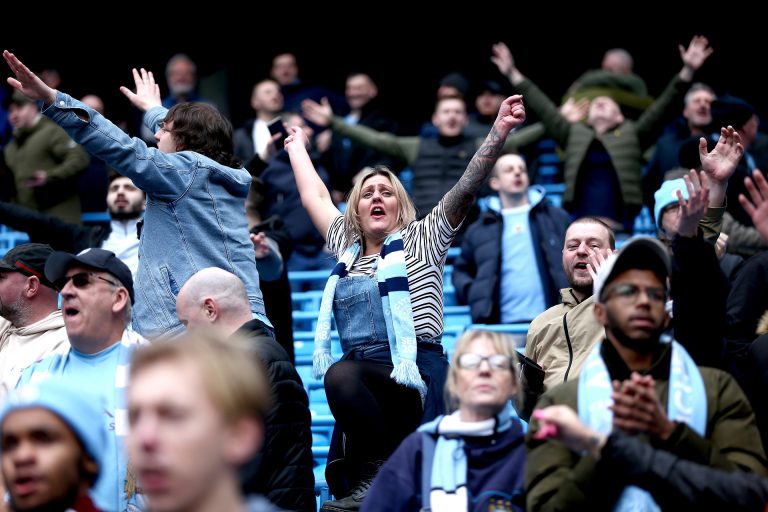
{"type": "Point", "coordinates": [406, 55]}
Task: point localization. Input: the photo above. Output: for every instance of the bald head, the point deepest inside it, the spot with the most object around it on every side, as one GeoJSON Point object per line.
{"type": "Point", "coordinates": [618, 60]}
{"type": "Point", "coordinates": [213, 298]}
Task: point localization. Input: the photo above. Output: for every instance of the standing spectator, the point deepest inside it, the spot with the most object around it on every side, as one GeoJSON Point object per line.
{"type": "Point", "coordinates": [44, 161]}
{"type": "Point", "coordinates": [510, 267]}
{"type": "Point", "coordinates": [195, 187]}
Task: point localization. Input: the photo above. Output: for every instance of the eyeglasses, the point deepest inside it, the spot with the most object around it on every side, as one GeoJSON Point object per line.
{"type": "Point", "coordinates": [80, 280]}
{"type": "Point", "coordinates": [630, 292]}
{"type": "Point", "coordinates": [470, 361]}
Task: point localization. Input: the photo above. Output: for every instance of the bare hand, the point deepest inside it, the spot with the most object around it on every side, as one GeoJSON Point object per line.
{"type": "Point", "coordinates": [27, 82]}
{"type": "Point", "coordinates": [721, 245]}
{"type": "Point", "coordinates": [502, 58]}
{"type": "Point", "coordinates": [720, 163]}
{"type": "Point", "coordinates": [692, 211]}
{"type": "Point", "coordinates": [757, 208]}
{"type": "Point", "coordinates": [511, 114]}
{"type": "Point", "coordinates": [260, 245]}
{"type": "Point", "coordinates": [596, 260]}
{"type": "Point", "coordinates": [147, 93]}
{"type": "Point", "coordinates": [562, 423]}
{"type": "Point", "coordinates": [39, 178]}
{"type": "Point", "coordinates": [697, 52]}
{"type": "Point", "coordinates": [296, 138]}
{"type": "Point", "coordinates": [636, 408]}
{"type": "Point", "coordinates": [574, 111]}
{"type": "Point", "coordinates": [318, 113]}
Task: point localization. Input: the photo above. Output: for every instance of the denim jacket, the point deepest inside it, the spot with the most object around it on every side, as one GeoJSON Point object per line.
{"type": "Point", "coordinates": [195, 216]}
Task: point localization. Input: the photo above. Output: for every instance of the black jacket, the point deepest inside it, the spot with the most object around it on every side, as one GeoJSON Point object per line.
{"type": "Point", "coordinates": [282, 471]}
{"type": "Point", "coordinates": [477, 270]}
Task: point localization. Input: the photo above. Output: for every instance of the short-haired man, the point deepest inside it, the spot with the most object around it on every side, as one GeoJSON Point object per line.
{"type": "Point", "coordinates": [52, 447]}
{"type": "Point", "coordinates": [125, 204]}
{"type": "Point", "coordinates": [215, 299]}
{"type": "Point", "coordinates": [638, 382]}
{"type": "Point", "coordinates": [31, 324]}
{"type": "Point", "coordinates": [560, 338]}
{"type": "Point", "coordinates": [510, 268]}
{"type": "Point", "coordinates": [196, 408]}
{"type": "Point", "coordinates": [96, 295]}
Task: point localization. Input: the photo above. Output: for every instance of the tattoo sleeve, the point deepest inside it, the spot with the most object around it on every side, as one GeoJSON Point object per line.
{"type": "Point", "coordinates": [458, 200]}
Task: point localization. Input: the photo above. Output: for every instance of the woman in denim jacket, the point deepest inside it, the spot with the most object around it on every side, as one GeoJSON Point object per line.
{"type": "Point", "coordinates": [195, 216]}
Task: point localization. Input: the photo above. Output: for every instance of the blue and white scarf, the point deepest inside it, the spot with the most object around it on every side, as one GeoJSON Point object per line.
{"type": "Point", "coordinates": [687, 403]}
{"type": "Point", "coordinates": [448, 488]}
{"type": "Point", "coordinates": [392, 278]}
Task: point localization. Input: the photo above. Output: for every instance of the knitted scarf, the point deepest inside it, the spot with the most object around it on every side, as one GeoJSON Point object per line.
{"type": "Point", "coordinates": [449, 464]}
{"type": "Point", "coordinates": [687, 402]}
{"type": "Point", "coordinates": [392, 278]}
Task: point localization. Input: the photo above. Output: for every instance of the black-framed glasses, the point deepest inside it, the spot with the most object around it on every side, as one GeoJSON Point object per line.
{"type": "Point", "coordinates": [80, 280]}
{"type": "Point", "coordinates": [471, 361]}
{"type": "Point", "coordinates": [630, 292]}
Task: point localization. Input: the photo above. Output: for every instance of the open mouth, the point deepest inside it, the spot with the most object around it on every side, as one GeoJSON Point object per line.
{"type": "Point", "coordinates": [580, 266]}
{"type": "Point", "coordinates": [377, 211]}
{"type": "Point", "coordinates": [71, 312]}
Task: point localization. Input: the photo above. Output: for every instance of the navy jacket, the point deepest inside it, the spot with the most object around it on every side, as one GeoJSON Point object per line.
{"type": "Point", "coordinates": [477, 270]}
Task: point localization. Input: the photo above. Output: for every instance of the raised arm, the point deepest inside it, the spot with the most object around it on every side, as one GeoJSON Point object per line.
{"type": "Point", "coordinates": [27, 82]}
{"type": "Point", "coordinates": [720, 163]}
{"type": "Point", "coordinates": [314, 194]}
{"type": "Point", "coordinates": [694, 56]}
{"type": "Point", "coordinates": [756, 205]}
{"type": "Point", "coordinates": [147, 93]}
{"type": "Point", "coordinates": [458, 200]}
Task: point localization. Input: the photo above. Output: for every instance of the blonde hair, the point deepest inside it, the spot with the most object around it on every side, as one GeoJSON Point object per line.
{"type": "Point", "coordinates": [406, 212]}
{"type": "Point", "coordinates": [502, 343]}
{"type": "Point", "coordinates": [233, 377]}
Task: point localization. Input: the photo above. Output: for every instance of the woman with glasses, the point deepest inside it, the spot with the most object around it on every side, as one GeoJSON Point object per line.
{"type": "Point", "coordinates": [386, 295]}
{"type": "Point", "coordinates": [472, 459]}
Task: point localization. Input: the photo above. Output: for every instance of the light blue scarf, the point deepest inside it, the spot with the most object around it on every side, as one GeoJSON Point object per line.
{"type": "Point", "coordinates": [392, 278]}
{"type": "Point", "coordinates": [448, 488]}
{"type": "Point", "coordinates": [687, 403]}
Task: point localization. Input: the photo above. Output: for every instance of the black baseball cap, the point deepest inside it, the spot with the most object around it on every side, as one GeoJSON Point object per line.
{"type": "Point", "coordinates": [100, 259]}
{"type": "Point", "coordinates": [28, 259]}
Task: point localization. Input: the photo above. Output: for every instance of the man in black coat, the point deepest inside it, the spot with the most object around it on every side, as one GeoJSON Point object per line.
{"type": "Point", "coordinates": [216, 299]}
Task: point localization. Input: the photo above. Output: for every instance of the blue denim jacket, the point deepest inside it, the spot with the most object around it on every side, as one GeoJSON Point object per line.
{"type": "Point", "coordinates": [195, 216]}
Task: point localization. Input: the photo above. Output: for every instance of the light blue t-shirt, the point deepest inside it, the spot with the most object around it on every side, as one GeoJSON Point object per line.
{"type": "Point", "coordinates": [521, 295]}
{"type": "Point", "coordinates": [96, 373]}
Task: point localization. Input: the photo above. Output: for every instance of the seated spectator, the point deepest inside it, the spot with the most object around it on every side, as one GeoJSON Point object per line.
{"type": "Point", "coordinates": [510, 268]}
{"type": "Point", "coordinates": [472, 459]}
{"type": "Point", "coordinates": [638, 382]}
{"type": "Point", "coordinates": [675, 483]}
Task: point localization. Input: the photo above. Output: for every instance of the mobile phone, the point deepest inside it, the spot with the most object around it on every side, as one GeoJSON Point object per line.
{"type": "Point", "coordinates": [276, 126]}
{"type": "Point", "coordinates": [531, 372]}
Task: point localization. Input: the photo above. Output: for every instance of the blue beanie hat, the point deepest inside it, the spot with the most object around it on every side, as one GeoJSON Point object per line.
{"type": "Point", "coordinates": [82, 411]}
{"type": "Point", "coordinates": [666, 196]}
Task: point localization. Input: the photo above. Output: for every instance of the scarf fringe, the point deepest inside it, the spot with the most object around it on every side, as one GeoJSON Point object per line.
{"type": "Point", "coordinates": [321, 361]}
{"type": "Point", "coordinates": [407, 373]}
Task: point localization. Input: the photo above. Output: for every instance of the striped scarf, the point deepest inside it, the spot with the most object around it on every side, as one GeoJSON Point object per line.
{"type": "Point", "coordinates": [392, 279]}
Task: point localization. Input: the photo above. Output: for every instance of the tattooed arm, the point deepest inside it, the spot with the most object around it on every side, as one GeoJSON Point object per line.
{"type": "Point", "coordinates": [458, 200]}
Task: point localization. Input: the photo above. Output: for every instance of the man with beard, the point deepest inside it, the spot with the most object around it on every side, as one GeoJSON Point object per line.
{"type": "Point", "coordinates": [642, 384]}
{"type": "Point", "coordinates": [31, 324]}
{"type": "Point", "coordinates": [560, 338]}
{"type": "Point", "coordinates": [125, 203]}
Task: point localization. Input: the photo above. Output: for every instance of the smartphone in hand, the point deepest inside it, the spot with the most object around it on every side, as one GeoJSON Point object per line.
{"type": "Point", "coordinates": [276, 126]}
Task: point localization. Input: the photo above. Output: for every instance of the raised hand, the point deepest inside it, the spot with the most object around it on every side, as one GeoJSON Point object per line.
{"type": "Point", "coordinates": [502, 58]}
{"type": "Point", "coordinates": [147, 93]}
{"type": "Point", "coordinates": [26, 81]}
{"type": "Point", "coordinates": [296, 138]}
{"type": "Point", "coordinates": [757, 208]}
{"type": "Point", "coordinates": [318, 113]}
{"type": "Point", "coordinates": [720, 163]}
{"type": "Point", "coordinates": [511, 113]}
{"type": "Point", "coordinates": [574, 111]}
{"type": "Point", "coordinates": [596, 260]}
{"type": "Point", "coordinates": [697, 52]}
{"type": "Point", "coordinates": [692, 211]}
